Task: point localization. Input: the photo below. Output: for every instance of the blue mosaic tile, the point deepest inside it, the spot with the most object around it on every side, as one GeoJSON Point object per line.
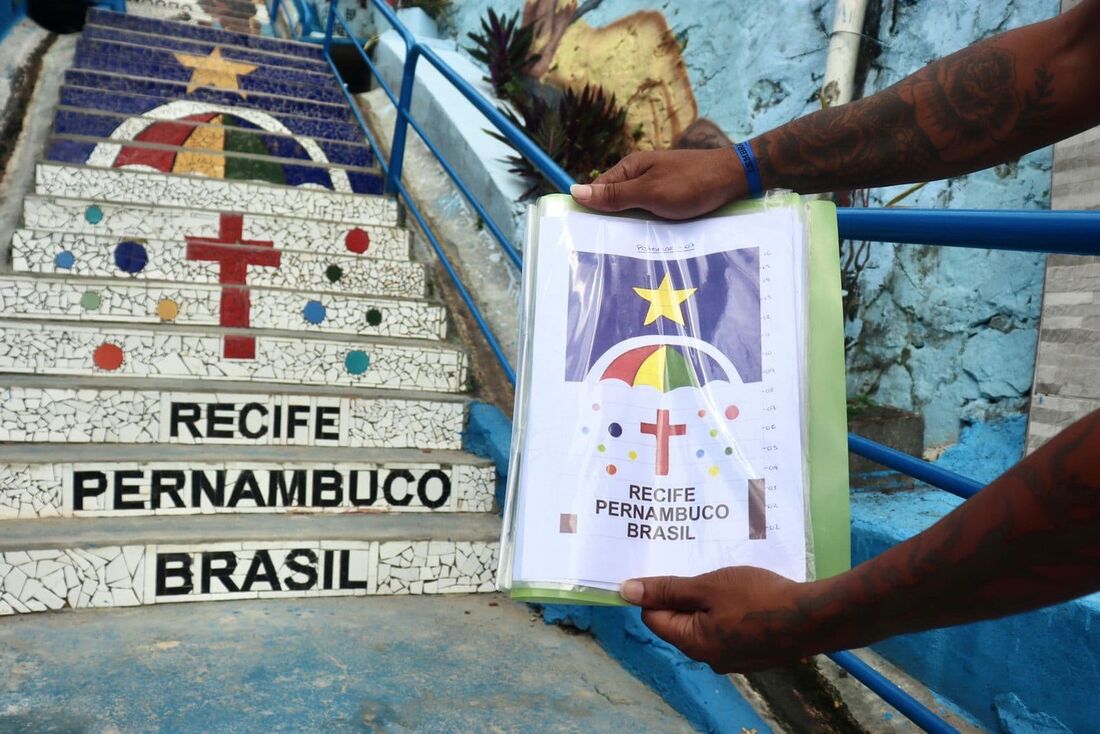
{"type": "Point", "coordinates": [138, 104]}
{"type": "Point", "coordinates": [102, 125]}
{"type": "Point", "coordinates": [201, 33]}
{"type": "Point", "coordinates": [159, 64]}
{"type": "Point", "coordinates": [200, 48]}
{"type": "Point", "coordinates": [176, 91]}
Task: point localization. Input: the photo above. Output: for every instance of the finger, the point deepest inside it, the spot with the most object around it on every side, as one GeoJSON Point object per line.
{"type": "Point", "coordinates": [631, 166]}
{"type": "Point", "coordinates": [680, 629]}
{"type": "Point", "coordinates": [666, 592]}
{"type": "Point", "coordinates": [612, 197]}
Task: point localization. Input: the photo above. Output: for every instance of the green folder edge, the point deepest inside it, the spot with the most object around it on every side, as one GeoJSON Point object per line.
{"type": "Point", "coordinates": [828, 410]}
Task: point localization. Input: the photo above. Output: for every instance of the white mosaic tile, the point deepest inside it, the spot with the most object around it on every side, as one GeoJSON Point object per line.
{"type": "Point", "coordinates": [188, 488]}
{"type": "Point", "coordinates": [122, 576]}
{"type": "Point", "coordinates": [64, 253]}
{"type": "Point", "coordinates": [117, 352]}
{"type": "Point", "coordinates": [166, 223]}
{"type": "Point", "coordinates": [199, 305]}
{"type": "Point", "coordinates": [103, 416]}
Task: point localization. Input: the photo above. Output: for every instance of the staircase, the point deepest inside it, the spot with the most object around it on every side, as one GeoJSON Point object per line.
{"type": "Point", "coordinates": [221, 377]}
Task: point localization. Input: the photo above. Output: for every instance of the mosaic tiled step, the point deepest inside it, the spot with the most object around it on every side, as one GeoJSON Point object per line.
{"type": "Point", "coordinates": [111, 350]}
{"type": "Point", "coordinates": [174, 91]}
{"type": "Point", "coordinates": [203, 305]}
{"type": "Point", "coordinates": [204, 230]}
{"type": "Point", "coordinates": [73, 563]}
{"type": "Point", "coordinates": [35, 410]}
{"type": "Point", "coordinates": [186, 480]}
{"type": "Point", "coordinates": [204, 48]}
{"type": "Point", "coordinates": [192, 69]}
{"type": "Point", "coordinates": [96, 124]}
{"type": "Point", "coordinates": [133, 103]}
{"type": "Point", "coordinates": [85, 255]}
{"type": "Point", "coordinates": [200, 192]}
{"type": "Point", "coordinates": [199, 33]}
{"type": "Point", "coordinates": [213, 152]}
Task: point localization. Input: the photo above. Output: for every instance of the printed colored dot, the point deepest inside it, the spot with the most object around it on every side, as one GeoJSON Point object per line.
{"type": "Point", "coordinates": [611, 469]}
{"type": "Point", "coordinates": [64, 260]}
{"type": "Point", "coordinates": [90, 301]}
{"type": "Point", "coordinates": [356, 362]}
{"type": "Point", "coordinates": [732, 412]}
{"type": "Point", "coordinates": [713, 471]}
{"type": "Point", "coordinates": [633, 455]}
{"type": "Point", "coordinates": [699, 454]}
{"type": "Point", "coordinates": [601, 448]}
{"type": "Point", "coordinates": [334, 273]}
{"type": "Point", "coordinates": [615, 430]}
{"type": "Point", "coordinates": [595, 406]}
{"type": "Point", "coordinates": [93, 214]}
{"type": "Point", "coordinates": [314, 312]}
{"type": "Point", "coordinates": [107, 356]}
{"type": "Point", "coordinates": [167, 309]}
{"type": "Point", "coordinates": [374, 316]}
{"type": "Point", "coordinates": [729, 450]}
{"type": "Point", "coordinates": [357, 241]}
{"type": "Point", "coordinates": [702, 414]}
{"type": "Point", "coordinates": [585, 430]}
{"type": "Point", "coordinates": [131, 257]}
{"type": "Point", "coordinates": [714, 433]}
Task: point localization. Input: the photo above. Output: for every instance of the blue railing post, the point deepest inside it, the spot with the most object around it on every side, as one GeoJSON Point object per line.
{"type": "Point", "coordinates": [275, 17]}
{"type": "Point", "coordinates": [330, 25]}
{"type": "Point", "coordinates": [401, 124]}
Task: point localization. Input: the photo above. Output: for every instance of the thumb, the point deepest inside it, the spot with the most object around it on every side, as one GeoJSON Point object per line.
{"type": "Point", "coordinates": [681, 593]}
{"type": "Point", "coordinates": [610, 197]}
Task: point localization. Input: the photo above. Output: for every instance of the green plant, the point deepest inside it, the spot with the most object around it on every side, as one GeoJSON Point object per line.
{"type": "Point", "coordinates": [504, 47]}
{"type": "Point", "coordinates": [585, 133]}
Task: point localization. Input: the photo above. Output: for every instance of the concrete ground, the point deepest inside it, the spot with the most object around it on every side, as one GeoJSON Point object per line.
{"type": "Point", "coordinates": [388, 665]}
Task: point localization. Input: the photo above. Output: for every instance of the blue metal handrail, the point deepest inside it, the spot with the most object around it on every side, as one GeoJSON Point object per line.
{"type": "Point", "coordinates": [1076, 233]}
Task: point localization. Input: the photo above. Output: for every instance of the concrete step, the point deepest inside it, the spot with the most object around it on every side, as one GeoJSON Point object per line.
{"type": "Point", "coordinates": [117, 300]}
{"type": "Point", "coordinates": [36, 409]}
{"type": "Point", "coordinates": [51, 480]}
{"type": "Point", "coordinates": [237, 17]}
{"type": "Point", "coordinates": [213, 228]}
{"type": "Point", "coordinates": [71, 563]}
{"type": "Point", "coordinates": [220, 90]}
{"type": "Point", "coordinates": [213, 152]}
{"type": "Point", "coordinates": [200, 192]}
{"type": "Point", "coordinates": [194, 69]}
{"type": "Point", "coordinates": [38, 251]}
{"type": "Point", "coordinates": [218, 355]}
{"type": "Point", "coordinates": [133, 103]}
{"type": "Point", "coordinates": [204, 48]}
{"type": "Point", "coordinates": [387, 665]}
{"type": "Point", "coordinates": [132, 22]}
{"type": "Point", "coordinates": [97, 124]}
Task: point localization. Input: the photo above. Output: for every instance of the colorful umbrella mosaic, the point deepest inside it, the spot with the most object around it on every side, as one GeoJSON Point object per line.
{"type": "Point", "coordinates": [663, 367]}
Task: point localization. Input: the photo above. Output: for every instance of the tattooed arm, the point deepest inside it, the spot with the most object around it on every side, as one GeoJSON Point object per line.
{"type": "Point", "coordinates": [986, 104]}
{"type": "Point", "coordinates": [1029, 539]}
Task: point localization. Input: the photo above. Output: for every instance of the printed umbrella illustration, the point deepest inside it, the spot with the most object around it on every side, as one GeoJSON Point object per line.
{"type": "Point", "coordinates": [664, 367]}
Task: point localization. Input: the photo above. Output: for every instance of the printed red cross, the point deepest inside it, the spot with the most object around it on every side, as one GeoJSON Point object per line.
{"type": "Point", "coordinates": [662, 430]}
{"type": "Point", "coordinates": [234, 254]}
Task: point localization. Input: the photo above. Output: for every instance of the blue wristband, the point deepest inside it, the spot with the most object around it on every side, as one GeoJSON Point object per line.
{"type": "Point", "coordinates": [752, 168]}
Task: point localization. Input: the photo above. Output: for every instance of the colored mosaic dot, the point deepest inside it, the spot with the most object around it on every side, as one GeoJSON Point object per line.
{"type": "Point", "coordinates": [374, 316]}
{"type": "Point", "coordinates": [93, 214]}
{"type": "Point", "coordinates": [357, 241]}
{"type": "Point", "coordinates": [334, 273]}
{"type": "Point", "coordinates": [713, 471]}
{"type": "Point", "coordinates": [633, 455]}
{"type": "Point", "coordinates": [615, 430]}
{"type": "Point", "coordinates": [699, 454]}
{"type": "Point", "coordinates": [611, 469]}
{"type": "Point", "coordinates": [131, 257]}
{"type": "Point", "coordinates": [107, 356]}
{"type": "Point", "coordinates": [167, 309]}
{"type": "Point", "coordinates": [90, 300]}
{"type": "Point", "coordinates": [732, 412]}
{"type": "Point", "coordinates": [64, 260]}
{"type": "Point", "coordinates": [713, 433]}
{"type": "Point", "coordinates": [314, 312]}
{"type": "Point", "coordinates": [595, 406]}
{"type": "Point", "coordinates": [356, 362]}
{"type": "Point", "coordinates": [601, 448]}
{"type": "Point", "coordinates": [702, 414]}
{"type": "Point", "coordinates": [729, 450]}
{"type": "Point", "coordinates": [585, 430]}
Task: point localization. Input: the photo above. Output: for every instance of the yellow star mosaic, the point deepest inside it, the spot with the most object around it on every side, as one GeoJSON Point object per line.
{"type": "Point", "coordinates": [214, 71]}
{"type": "Point", "coordinates": [665, 301]}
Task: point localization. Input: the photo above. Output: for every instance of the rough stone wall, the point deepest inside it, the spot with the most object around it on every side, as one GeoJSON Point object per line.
{"type": "Point", "coordinates": [950, 333]}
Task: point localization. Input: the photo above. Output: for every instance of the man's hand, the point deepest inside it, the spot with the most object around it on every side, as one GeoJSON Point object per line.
{"type": "Point", "coordinates": [675, 184]}
{"type": "Point", "coordinates": [736, 619]}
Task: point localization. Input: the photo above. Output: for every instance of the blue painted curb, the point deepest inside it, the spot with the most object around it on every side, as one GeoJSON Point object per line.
{"type": "Point", "coordinates": [707, 700]}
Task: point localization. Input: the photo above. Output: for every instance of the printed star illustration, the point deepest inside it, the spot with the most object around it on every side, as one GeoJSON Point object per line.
{"type": "Point", "coordinates": [665, 301]}
{"type": "Point", "coordinates": [214, 71]}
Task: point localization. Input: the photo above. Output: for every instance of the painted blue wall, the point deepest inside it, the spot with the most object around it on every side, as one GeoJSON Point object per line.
{"type": "Point", "coordinates": [11, 12]}
{"type": "Point", "coordinates": [948, 333]}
